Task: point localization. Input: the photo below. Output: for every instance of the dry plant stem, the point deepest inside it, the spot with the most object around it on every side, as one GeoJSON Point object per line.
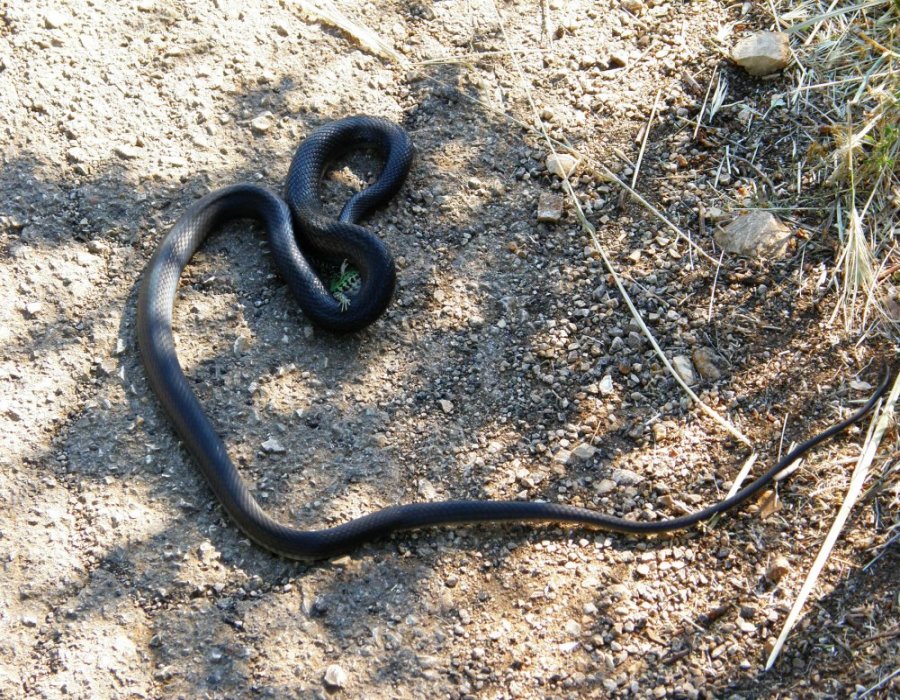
{"type": "Point", "coordinates": [640, 158]}
{"type": "Point", "coordinates": [735, 485]}
{"type": "Point", "coordinates": [880, 421]}
{"type": "Point", "coordinates": [830, 15]}
{"type": "Point", "coordinates": [834, 83]}
{"type": "Point", "coordinates": [611, 176]}
{"type": "Point", "coordinates": [712, 292]}
{"type": "Point", "coordinates": [880, 684]}
{"type": "Point", "coordinates": [367, 38]}
{"type": "Point", "coordinates": [591, 231]}
{"type": "Point", "coordinates": [608, 174]}
{"type": "Point", "coordinates": [884, 548]}
{"type": "Point", "coordinates": [818, 26]}
{"type": "Point", "coordinates": [775, 16]}
{"type": "Point", "coordinates": [705, 99]}
{"type": "Point", "coordinates": [739, 479]}
{"type": "Point", "coordinates": [762, 176]}
{"type": "Point", "coordinates": [545, 22]}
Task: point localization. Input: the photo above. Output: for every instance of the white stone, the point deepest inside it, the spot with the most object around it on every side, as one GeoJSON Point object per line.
{"type": "Point", "coordinates": [626, 477]}
{"type": "Point", "coordinates": [33, 308]}
{"type": "Point", "coordinates": [127, 151]}
{"type": "Point", "coordinates": [762, 53]}
{"type": "Point", "coordinates": [606, 385]}
{"type": "Point", "coordinates": [563, 457]}
{"type": "Point", "coordinates": [685, 369]}
{"type": "Point", "coordinates": [263, 122]}
{"type": "Point", "coordinates": [561, 164]}
{"type": "Point", "coordinates": [272, 445]}
{"type": "Point", "coordinates": [584, 452]}
{"type": "Point", "coordinates": [335, 676]}
{"type": "Point", "coordinates": [76, 154]}
{"type": "Point", "coordinates": [427, 490]}
{"type": "Point", "coordinates": [605, 486]}
{"type": "Point", "coordinates": [54, 19]}
{"type": "Point", "coordinates": [241, 345]}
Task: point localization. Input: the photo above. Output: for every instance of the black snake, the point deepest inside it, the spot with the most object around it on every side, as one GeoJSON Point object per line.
{"type": "Point", "coordinates": [297, 227]}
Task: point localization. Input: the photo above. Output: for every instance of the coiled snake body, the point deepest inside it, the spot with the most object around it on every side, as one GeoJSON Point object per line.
{"type": "Point", "coordinates": [300, 218]}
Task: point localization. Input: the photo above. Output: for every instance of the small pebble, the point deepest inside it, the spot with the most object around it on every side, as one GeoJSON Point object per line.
{"type": "Point", "coordinates": [778, 568]}
{"type": "Point", "coordinates": [659, 431]}
{"type": "Point", "coordinates": [427, 491]}
{"type": "Point", "coordinates": [584, 452]}
{"type": "Point", "coordinates": [77, 154]}
{"type": "Point", "coordinates": [97, 247]}
{"type": "Point", "coordinates": [561, 164]}
{"type": "Point", "coordinates": [550, 208]}
{"type": "Point", "coordinates": [263, 122]}
{"type": "Point", "coordinates": [604, 486]}
{"type": "Point", "coordinates": [563, 457]}
{"type": "Point", "coordinates": [54, 19]}
{"type": "Point", "coordinates": [241, 345]}
{"type": "Point", "coordinates": [626, 477]}
{"type": "Point", "coordinates": [573, 628]}
{"type": "Point", "coordinates": [606, 385]}
{"type": "Point", "coordinates": [335, 676]}
{"type": "Point", "coordinates": [705, 361]}
{"type": "Point", "coordinates": [273, 446]}
{"type": "Point", "coordinates": [33, 308]}
{"type": "Point", "coordinates": [685, 369]}
{"type": "Point", "coordinates": [618, 58]}
{"type": "Point", "coordinates": [127, 152]}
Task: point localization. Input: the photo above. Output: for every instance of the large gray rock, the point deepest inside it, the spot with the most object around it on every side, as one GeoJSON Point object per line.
{"type": "Point", "coordinates": [755, 233]}
{"type": "Point", "coordinates": [762, 53]}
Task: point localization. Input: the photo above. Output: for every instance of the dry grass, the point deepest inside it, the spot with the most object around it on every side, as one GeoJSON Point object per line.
{"type": "Point", "coordinates": [848, 81]}
{"type": "Point", "coordinates": [848, 76]}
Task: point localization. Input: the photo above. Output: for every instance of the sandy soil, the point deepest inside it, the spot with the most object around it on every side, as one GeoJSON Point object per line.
{"type": "Point", "coordinates": [505, 347]}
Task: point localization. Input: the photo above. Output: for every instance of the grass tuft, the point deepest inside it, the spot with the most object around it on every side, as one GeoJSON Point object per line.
{"type": "Point", "coordinates": [850, 80]}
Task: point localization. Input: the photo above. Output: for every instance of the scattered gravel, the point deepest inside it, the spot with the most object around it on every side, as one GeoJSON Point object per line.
{"type": "Point", "coordinates": [506, 367]}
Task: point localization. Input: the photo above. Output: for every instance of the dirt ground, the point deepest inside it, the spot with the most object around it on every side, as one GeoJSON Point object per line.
{"type": "Point", "coordinates": [506, 346]}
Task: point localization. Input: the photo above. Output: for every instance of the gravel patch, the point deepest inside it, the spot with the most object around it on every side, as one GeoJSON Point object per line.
{"type": "Point", "coordinates": [506, 367]}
